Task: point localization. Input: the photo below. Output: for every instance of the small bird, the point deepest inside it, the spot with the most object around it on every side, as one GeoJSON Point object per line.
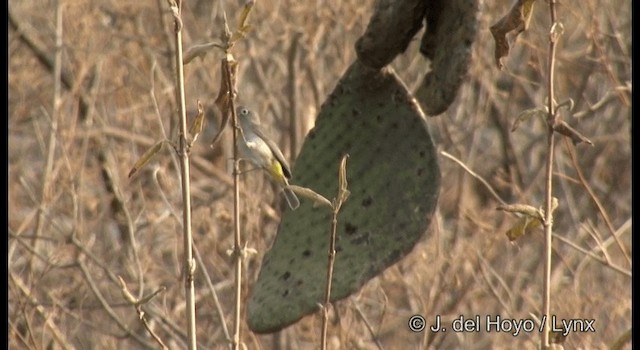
{"type": "Point", "coordinates": [256, 147]}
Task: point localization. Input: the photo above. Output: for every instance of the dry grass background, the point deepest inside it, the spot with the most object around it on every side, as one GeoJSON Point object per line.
{"type": "Point", "coordinates": [62, 287]}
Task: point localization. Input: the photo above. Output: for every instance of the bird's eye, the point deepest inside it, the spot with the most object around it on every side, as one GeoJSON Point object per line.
{"type": "Point", "coordinates": [244, 111]}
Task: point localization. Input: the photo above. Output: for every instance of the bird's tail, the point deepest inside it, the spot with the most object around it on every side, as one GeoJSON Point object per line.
{"type": "Point", "coordinates": [290, 196]}
{"type": "Point", "coordinates": [292, 199]}
{"type": "Point", "coordinates": [277, 174]}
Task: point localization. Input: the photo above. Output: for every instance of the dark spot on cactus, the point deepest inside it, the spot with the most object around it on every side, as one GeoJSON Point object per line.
{"type": "Point", "coordinates": [350, 228]}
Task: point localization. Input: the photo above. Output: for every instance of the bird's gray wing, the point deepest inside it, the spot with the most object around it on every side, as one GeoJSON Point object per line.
{"type": "Point", "coordinates": [274, 148]}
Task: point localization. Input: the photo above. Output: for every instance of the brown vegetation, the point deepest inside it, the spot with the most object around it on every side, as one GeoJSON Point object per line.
{"type": "Point", "coordinates": [76, 221]}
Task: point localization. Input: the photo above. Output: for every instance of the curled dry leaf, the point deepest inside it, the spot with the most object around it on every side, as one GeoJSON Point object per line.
{"type": "Point", "coordinates": [517, 19]}
{"type": "Point", "coordinates": [576, 137]}
{"type": "Point", "coordinates": [309, 193]}
{"type": "Point", "coordinates": [146, 157]}
{"type": "Point", "coordinates": [199, 50]}
{"type": "Point", "coordinates": [228, 65]}
{"type": "Point", "coordinates": [126, 294]}
{"type": "Point", "coordinates": [568, 104]}
{"type": "Point", "coordinates": [229, 69]}
{"type": "Point", "coordinates": [526, 115]}
{"type": "Point", "coordinates": [243, 25]}
{"type": "Point", "coordinates": [343, 192]}
{"type": "Point", "coordinates": [197, 125]}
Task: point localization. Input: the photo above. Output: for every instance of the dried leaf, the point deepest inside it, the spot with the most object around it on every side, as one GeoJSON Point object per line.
{"type": "Point", "coordinates": [228, 64]}
{"type": "Point", "coordinates": [526, 115]}
{"type": "Point", "coordinates": [568, 104]}
{"type": "Point", "coordinates": [126, 294]}
{"type": "Point", "coordinates": [576, 137]}
{"type": "Point", "coordinates": [223, 101]}
{"type": "Point", "coordinates": [197, 125]}
{"type": "Point", "coordinates": [517, 19]}
{"type": "Point", "coordinates": [309, 193]}
{"type": "Point", "coordinates": [244, 15]}
{"type": "Point", "coordinates": [554, 205]}
{"type": "Point", "coordinates": [243, 26]}
{"type": "Point", "coordinates": [343, 192]}
{"type": "Point", "coordinates": [146, 157]}
{"type": "Point", "coordinates": [241, 33]}
{"type": "Point", "coordinates": [198, 51]}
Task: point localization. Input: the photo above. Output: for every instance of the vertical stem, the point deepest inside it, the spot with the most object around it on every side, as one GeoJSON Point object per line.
{"type": "Point", "coordinates": [343, 194]}
{"type": "Point", "coordinates": [189, 264]}
{"type": "Point", "coordinates": [237, 239]}
{"type": "Point", "coordinates": [548, 218]}
{"type": "Point", "coordinates": [327, 292]}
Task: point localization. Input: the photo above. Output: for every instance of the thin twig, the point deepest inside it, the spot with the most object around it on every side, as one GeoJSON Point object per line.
{"type": "Point", "coordinates": [368, 325]}
{"type": "Point", "coordinates": [58, 335]}
{"type": "Point", "coordinates": [592, 255]}
{"type": "Point", "coordinates": [105, 305]}
{"type": "Point", "coordinates": [118, 205]}
{"type": "Point", "coordinates": [595, 199]}
{"type": "Point", "coordinates": [327, 292]}
{"type": "Point", "coordinates": [198, 256]}
{"type": "Point", "coordinates": [214, 294]}
{"type": "Point", "coordinates": [40, 51]}
{"type": "Point", "coordinates": [137, 303]}
{"type": "Point", "coordinates": [548, 214]}
{"type": "Point", "coordinates": [484, 265]}
{"type": "Point", "coordinates": [478, 177]}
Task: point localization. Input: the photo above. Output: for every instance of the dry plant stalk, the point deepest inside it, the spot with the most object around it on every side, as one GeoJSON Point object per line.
{"type": "Point", "coordinates": [517, 19]}
{"type": "Point", "coordinates": [138, 306]}
{"type": "Point", "coordinates": [343, 194]}
{"type": "Point", "coordinates": [238, 254]}
{"type": "Point", "coordinates": [183, 151]}
{"type": "Point", "coordinates": [225, 102]}
{"type": "Point", "coordinates": [547, 222]}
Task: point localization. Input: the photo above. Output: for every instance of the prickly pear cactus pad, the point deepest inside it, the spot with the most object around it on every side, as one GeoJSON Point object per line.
{"type": "Point", "coordinates": [394, 180]}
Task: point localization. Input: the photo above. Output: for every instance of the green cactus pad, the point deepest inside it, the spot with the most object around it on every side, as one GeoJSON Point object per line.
{"type": "Point", "coordinates": [394, 181]}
